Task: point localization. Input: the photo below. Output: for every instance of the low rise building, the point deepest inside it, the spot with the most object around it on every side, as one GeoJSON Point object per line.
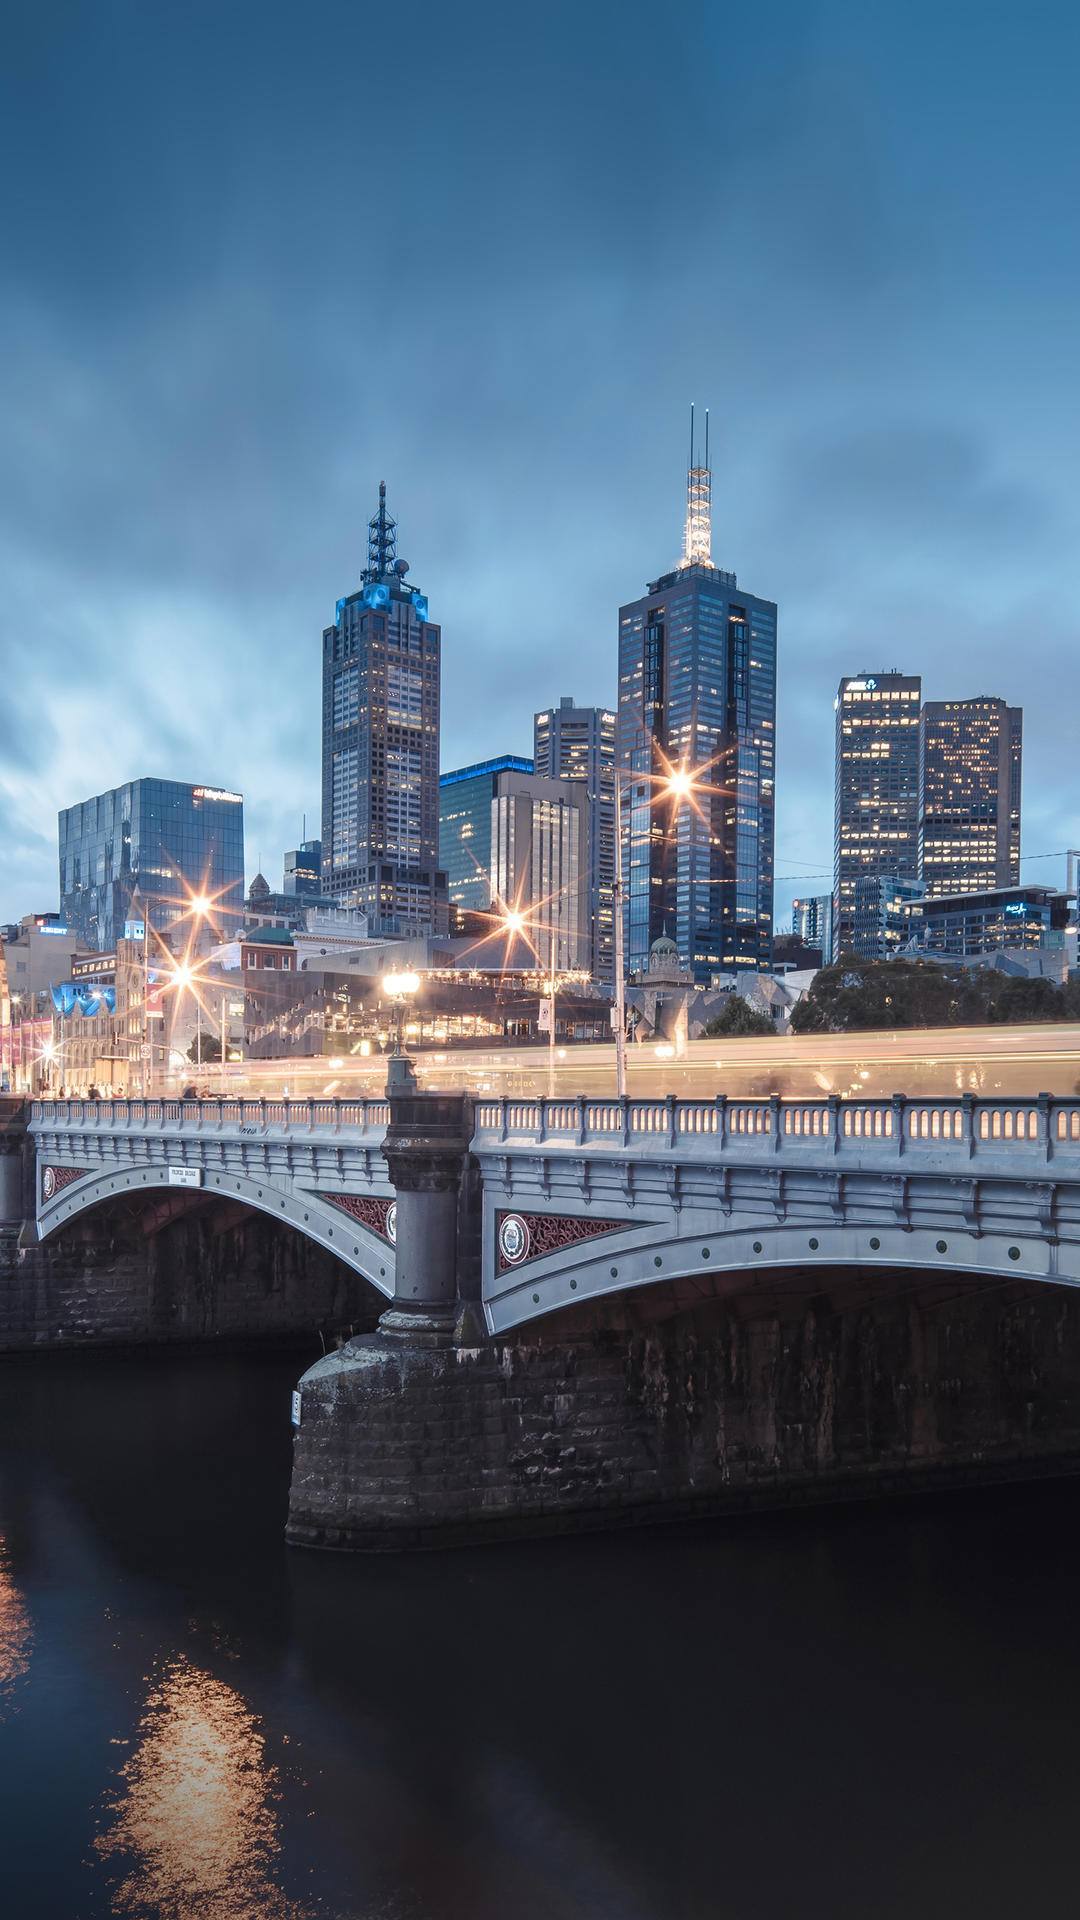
{"type": "Point", "coordinates": [1005, 920]}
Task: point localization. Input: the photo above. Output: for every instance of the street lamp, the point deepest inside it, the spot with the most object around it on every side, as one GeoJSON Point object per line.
{"type": "Point", "coordinates": [676, 783]}
{"type": "Point", "coordinates": [400, 987]}
{"type": "Point", "coordinates": [517, 922]}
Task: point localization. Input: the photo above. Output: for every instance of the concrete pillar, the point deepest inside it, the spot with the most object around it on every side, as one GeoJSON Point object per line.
{"type": "Point", "coordinates": [426, 1150]}
{"type": "Point", "coordinates": [14, 1115]}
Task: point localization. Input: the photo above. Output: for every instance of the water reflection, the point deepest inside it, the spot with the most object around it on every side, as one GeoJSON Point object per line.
{"type": "Point", "coordinates": [16, 1636]}
{"type": "Point", "coordinates": [195, 1811]}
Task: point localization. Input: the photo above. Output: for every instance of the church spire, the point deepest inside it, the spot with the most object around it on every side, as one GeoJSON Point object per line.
{"type": "Point", "coordinates": [381, 541]}
{"type": "Point", "coordinates": [697, 538]}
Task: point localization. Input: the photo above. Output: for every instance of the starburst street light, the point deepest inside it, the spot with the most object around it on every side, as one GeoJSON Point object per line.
{"type": "Point", "coordinates": [680, 784]}
{"type": "Point", "coordinates": [400, 988]}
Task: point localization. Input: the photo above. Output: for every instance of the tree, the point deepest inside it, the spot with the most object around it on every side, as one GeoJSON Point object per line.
{"type": "Point", "coordinates": [737, 1016]}
{"type": "Point", "coordinates": [210, 1051]}
{"type": "Point", "coordinates": [854, 995]}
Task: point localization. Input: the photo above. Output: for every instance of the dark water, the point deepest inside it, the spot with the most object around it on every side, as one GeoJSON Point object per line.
{"type": "Point", "coordinates": [849, 1713]}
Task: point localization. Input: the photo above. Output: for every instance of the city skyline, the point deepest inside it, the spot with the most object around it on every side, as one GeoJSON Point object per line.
{"type": "Point", "coordinates": [194, 432]}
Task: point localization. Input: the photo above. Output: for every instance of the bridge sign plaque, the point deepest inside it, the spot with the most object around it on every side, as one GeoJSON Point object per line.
{"type": "Point", "coordinates": [185, 1176]}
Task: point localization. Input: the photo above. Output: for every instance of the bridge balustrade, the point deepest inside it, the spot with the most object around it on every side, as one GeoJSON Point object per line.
{"type": "Point", "coordinates": [964, 1122]}
{"type": "Point", "coordinates": [212, 1115]}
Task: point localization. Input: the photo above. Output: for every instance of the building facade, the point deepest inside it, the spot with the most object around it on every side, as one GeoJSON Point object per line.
{"type": "Point", "coordinates": [882, 918]}
{"type": "Point", "coordinates": [539, 862]}
{"type": "Point", "coordinates": [812, 923]}
{"type": "Point", "coordinates": [578, 744]}
{"type": "Point", "coordinates": [1001, 920]}
{"type": "Point", "coordinates": [381, 664]}
{"type": "Point", "coordinates": [465, 797]}
{"type": "Point", "coordinates": [971, 765]}
{"type": "Point", "coordinates": [697, 690]}
{"type": "Point", "coordinates": [303, 869]}
{"type": "Point", "coordinates": [161, 839]}
{"type": "Point", "coordinates": [876, 820]}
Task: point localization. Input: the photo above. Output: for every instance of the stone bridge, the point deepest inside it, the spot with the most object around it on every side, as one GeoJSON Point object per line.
{"type": "Point", "coordinates": [575, 1199]}
{"type": "Point", "coordinates": [597, 1311]}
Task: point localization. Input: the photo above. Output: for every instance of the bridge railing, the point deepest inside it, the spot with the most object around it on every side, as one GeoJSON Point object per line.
{"type": "Point", "coordinates": [895, 1125]}
{"type": "Point", "coordinates": [702, 1127]}
{"type": "Point", "coordinates": [210, 1116]}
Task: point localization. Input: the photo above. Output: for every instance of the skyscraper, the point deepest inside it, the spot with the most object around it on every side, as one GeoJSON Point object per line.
{"type": "Point", "coordinates": [163, 839]}
{"type": "Point", "coordinates": [578, 743]}
{"type": "Point", "coordinates": [381, 747]}
{"type": "Point", "coordinates": [877, 792]}
{"type": "Point", "coordinates": [697, 688]}
{"type": "Point", "coordinates": [539, 844]}
{"type": "Point", "coordinates": [969, 832]}
{"type": "Point", "coordinates": [812, 923]}
{"type": "Point", "coordinates": [303, 869]}
{"type": "Point", "coordinates": [465, 797]}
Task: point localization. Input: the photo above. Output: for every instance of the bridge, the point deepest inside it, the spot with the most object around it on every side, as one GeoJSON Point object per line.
{"type": "Point", "coordinates": [575, 1199]}
{"type": "Point", "coordinates": [596, 1310]}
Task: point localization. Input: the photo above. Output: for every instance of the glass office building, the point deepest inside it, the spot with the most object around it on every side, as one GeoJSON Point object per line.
{"type": "Point", "coordinates": [465, 797]}
{"type": "Point", "coordinates": [697, 688]}
{"type": "Point", "coordinates": [380, 758]}
{"type": "Point", "coordinates": [876, 826]}
{"type": "Point", "coordinates": [1005, 919]}
{"type": "Point", "coordinates": [578, 743]}
{"type": "Point", "coordinates": [969, 828]}
{"type": "Point", "coordinates": [164, 839]}
{"type": "Point", "coordinates": [303, 869]}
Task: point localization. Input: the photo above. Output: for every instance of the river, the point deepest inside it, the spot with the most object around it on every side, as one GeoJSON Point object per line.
{"type": "Point", "coordinates": [860, 1712]}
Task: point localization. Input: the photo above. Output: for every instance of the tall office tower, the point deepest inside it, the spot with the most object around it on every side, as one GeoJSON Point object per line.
{"type": "Point", "coordinates": [969, 830]}
{"type": "Point", "coordinates": [697, 688]}
{"type": "Point", "coordinates": [812, 923]}
{"type": "Point", "coordinates": [303, 868]}
{"type": "Point", "coordinates": [163, 839]}
{"type": "Point", "coordinates": [465, 797]}
{"type": "Point", "coordinates": [877, 791]}
{"type": "Point", "coordinates": [578, 743]}
{"type": "Point", "coordinates": [380, 767]}
{"type": "Point", "coordinates": [539, 861]}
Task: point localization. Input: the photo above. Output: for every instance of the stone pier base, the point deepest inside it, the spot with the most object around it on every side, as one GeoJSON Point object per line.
{"type": "Point", "coordinates": [675, 1404]}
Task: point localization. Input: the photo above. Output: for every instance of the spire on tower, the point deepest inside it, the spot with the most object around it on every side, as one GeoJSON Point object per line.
{"type": "Point", "coordinates": [381, 541]}
{"type": "Point", "coordinates": [697, 538]}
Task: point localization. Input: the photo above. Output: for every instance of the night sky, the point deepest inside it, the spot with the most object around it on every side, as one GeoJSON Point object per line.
{"type": "Point", "coordinates": [256, 258]}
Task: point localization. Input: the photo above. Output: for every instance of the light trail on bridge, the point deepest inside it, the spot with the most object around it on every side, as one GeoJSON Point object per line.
{"type": "Point", "coordinates": [1015, 1061]}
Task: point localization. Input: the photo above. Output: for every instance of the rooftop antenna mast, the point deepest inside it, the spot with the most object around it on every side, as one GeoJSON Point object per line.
{"type": "Point", "coordinates": [381, 541]}
{"type": "Point", "coordinates": [697, 538]}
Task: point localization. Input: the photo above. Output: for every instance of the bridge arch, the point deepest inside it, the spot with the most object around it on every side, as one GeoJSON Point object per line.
{"type": "Point", "coordinates": [306, 1211]}
{"type": "Point", "coordinates": [642, 1257]}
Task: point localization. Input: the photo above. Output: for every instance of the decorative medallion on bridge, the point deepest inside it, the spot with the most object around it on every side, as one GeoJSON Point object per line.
{"type": "Point", "coordinates": [529, 1236]}
{"type": "Point", "coordinates": [378, 1216]}
{"type": "Point", "coordinates": [55, 1179]}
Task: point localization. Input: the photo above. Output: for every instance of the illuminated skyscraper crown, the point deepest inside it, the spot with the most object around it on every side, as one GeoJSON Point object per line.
{"type": "Point", "coordinates": [697, 539]}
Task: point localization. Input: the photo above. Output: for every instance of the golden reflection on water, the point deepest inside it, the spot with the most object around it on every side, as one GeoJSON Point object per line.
{"type": "Point", "coordinates": [194, 1813]}
{"type": "Point", "coordinates": [16, 1635]}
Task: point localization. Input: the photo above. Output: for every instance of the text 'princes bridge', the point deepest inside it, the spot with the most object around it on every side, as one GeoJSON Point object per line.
{"type": "Point", "coordinates": [601, 1309]}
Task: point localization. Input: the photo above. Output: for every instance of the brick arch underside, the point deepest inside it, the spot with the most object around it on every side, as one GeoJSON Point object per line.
{"type": "Point", "coordinates": [179, 1263]}
{"type": "Point", "coordinates": [734, 1387]}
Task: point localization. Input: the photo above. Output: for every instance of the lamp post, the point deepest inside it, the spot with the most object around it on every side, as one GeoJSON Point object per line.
{"type": "Point", "coordinates": [677, 784]}
{"type": "Point", "coordinates": [399, 987]}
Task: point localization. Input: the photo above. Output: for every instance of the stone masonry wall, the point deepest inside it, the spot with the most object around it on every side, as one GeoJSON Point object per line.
{"type": "Point", "coordinates": [659, 1407]}
{"type": "Point", "coordinates": [111, 1284]}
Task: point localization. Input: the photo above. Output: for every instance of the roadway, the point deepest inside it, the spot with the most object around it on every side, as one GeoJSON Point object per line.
{"type": "Point", "coordinates": [1021, 1060]}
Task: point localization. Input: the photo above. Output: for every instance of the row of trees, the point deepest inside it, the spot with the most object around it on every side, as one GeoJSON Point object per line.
{"type": "Point", "coordinates": [857, 994]}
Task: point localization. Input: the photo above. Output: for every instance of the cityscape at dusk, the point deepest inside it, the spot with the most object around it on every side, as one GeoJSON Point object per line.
{"type": "Point", "coordinates": [539, 961]}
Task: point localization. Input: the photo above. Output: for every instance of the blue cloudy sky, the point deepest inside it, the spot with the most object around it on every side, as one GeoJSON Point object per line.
{"type": "Point", "coordinates": [256, 257]}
